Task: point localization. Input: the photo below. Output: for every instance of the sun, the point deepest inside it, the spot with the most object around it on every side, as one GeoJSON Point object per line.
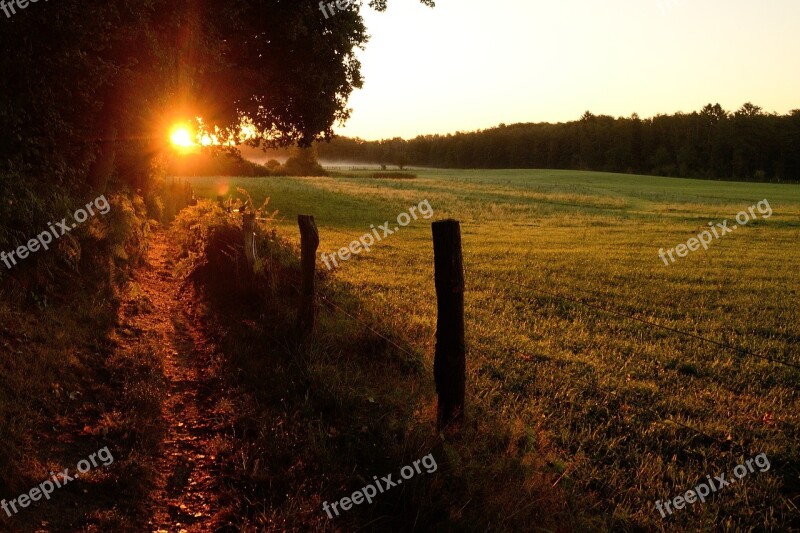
{"type": "Point", "coordinates": [181, 137]}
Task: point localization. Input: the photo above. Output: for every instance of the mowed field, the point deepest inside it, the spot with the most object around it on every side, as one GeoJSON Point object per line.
{"type": "Point", "coordinates": [628, 412]}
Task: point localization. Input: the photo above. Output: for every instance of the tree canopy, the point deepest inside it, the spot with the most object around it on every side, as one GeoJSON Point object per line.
{"type": "Point", "coordinates": [80, 80]}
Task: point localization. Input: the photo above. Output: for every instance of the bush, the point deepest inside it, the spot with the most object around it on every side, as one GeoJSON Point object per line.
{"type": "Point", "coordinates": [303, 162]}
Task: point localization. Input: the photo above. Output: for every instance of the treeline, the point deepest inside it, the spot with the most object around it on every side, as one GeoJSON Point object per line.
{"type": "Point", "coordinates": [746, 145]}
{"type": "Point", "coordinates": [300, 162]}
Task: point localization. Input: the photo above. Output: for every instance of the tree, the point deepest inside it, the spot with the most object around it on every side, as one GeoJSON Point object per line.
{"type": "Point", "coordinates": [283, 65]}
{"type": "Point", "coordinates": [99, 88]}
{"type": "Point", "coordinates": [748, 110]}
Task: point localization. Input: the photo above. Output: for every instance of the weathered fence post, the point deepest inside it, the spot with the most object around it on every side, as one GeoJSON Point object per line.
{"type": "Point", "coordinates": [249, 228]}
{"type": "Point", "coordinates": [449, 367]}
{"type": "Point", "coordinates": [309, 242]}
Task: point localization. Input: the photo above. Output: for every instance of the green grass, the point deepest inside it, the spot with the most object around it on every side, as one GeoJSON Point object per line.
{"type": "Point", "coordinates": [590, 392]}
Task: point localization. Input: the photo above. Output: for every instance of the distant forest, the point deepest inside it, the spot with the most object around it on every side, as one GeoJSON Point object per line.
{"type": "Point", "coordinates": [745, 145]}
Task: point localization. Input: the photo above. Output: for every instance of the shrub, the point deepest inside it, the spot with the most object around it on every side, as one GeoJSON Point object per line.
{"type": "Point", "coordinates": [303, 162]}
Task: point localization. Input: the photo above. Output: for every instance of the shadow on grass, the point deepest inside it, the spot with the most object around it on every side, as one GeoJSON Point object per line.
{"type": "Point", "coordinates": [314, 420]}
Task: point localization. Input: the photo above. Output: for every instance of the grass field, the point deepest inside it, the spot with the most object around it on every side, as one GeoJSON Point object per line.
{"type": "Point", "coordinates": [604, 400]}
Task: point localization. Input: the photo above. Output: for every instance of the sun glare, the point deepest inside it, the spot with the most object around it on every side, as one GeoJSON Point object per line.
{"type": "Point", "coordinates": [182, 137]}
{"type": "Point", "coordinates": [187, 138]}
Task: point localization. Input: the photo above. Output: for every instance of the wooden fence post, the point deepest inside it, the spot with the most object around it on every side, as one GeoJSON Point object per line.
{"type": "Point", "coordinates": [309, 242]}
{"type": "Point", "coordinates": [449, 367]}
{"type": "Point", "coordinates": [249, 228]}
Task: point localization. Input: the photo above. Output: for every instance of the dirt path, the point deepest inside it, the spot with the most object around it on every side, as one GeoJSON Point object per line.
{"type": "Point", "coordinates": [185, 497]}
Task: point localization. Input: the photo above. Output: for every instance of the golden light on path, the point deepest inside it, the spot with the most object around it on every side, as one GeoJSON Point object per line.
{"type": "Point", "coordinates": [181, 137]}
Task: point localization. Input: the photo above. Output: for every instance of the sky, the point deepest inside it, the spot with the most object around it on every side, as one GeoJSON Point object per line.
{"type": "Point", "coordinates": [470, 64]}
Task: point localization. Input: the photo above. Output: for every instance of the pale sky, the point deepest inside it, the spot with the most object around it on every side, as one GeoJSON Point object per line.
{"type": "Point", "coordinates": [470, 64]}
